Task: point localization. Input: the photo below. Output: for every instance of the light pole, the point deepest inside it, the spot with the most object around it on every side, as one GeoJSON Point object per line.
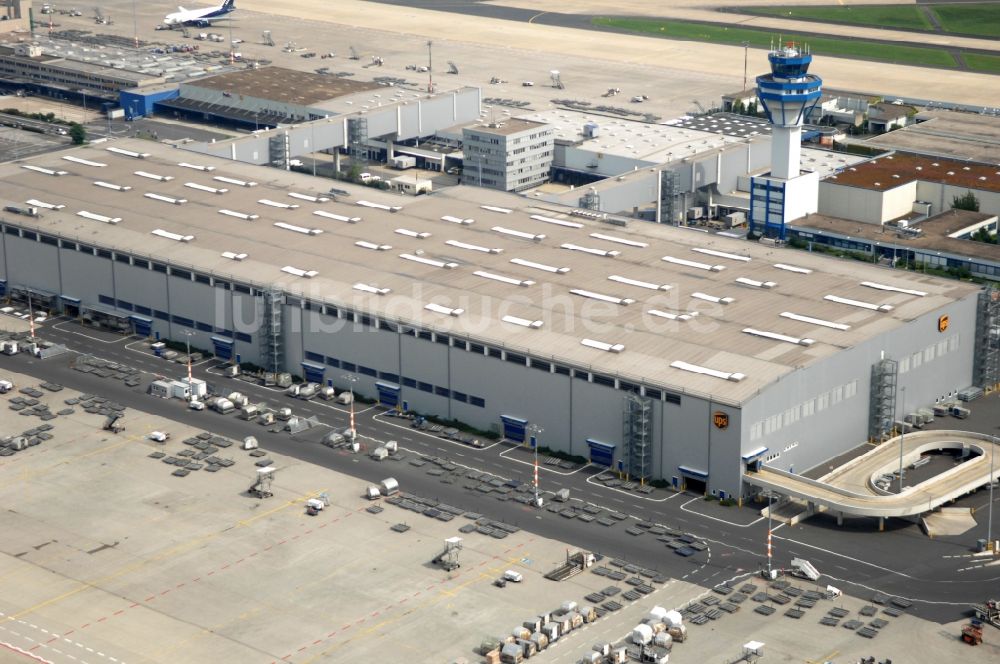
{"type": "Point", "coordinates": [188, 333]}
{"type": "Point", "coordinates": [534, 430]}
{"type": "Point", "coordinates": [902, 436]}
{"type": "Point", "coordinates": [770, 498]}
{"type": "Point", "coordinates": [351, 380]}
{"type": "Point", "coordinates": [746, 55]}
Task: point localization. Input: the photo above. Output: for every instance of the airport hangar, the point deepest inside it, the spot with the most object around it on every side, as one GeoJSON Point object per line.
{"type": "Point", "coordinates": [494, 310]}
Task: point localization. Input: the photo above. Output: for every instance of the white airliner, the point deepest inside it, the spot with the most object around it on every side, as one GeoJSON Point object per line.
{"type": "Point", "coordinates": [201, 18]}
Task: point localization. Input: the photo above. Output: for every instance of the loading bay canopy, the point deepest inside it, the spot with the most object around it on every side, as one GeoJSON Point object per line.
{"type": "Point", "coordinates": [850, 489]}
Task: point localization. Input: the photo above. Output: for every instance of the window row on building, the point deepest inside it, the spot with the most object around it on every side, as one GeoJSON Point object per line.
{"type": "Point", "coordinates": [183, 321]}
{"type": "Point", "coordinates": [929, 354]}
{"type": "Point", "coordinates": [828, 399]}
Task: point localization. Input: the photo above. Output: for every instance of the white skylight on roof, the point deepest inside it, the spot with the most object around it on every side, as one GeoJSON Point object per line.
{"type": "Point", "coordinates": [364, 244]}
{"type": "Point", "coordinates": [285, 206]}
{"type": "Point", "coordinates": [308, 274]}
{"type": "Point", "coordinates": [619, 240]}
{"type": "Point", "coordinates": [897, 289]}
{"type": "Point", "coordinates": [408, 233]}
{"type": "Point", "coordinates": [601, 296]}
{"type": "Point", "coordinates": [557, 222]}
{"type": "Point", "coordinates": [494, 208]}
{"type": "Point", "coordinates": [98, 217]}
{"type": "Point", "coordinates": [128, 153]}
{"type": "Point", "coordinates": [374, 290]}
{"type": "Point", "coordinates": [196, 167]}
{"type": "Point", "coordinates": [447, 311]}
{"type": "Point", "coordinates": [177, 237]}
{"type": "Point", "coordinates": [603, 345]}
{"type": "Point", "coordinates": [815, 321]}
{"type": "Point", "coordinates": [238, 183]}
{"type": "Point", "coordinates": [507, 280]}
{"type": "Point", "coordinates": [457, 220]}
{"type": "Point", "coordinates": [166, 199]}
{"type": "Point", "coordinates": [535, 237]}
{"type": "Point", "coordinates": [779, 337]}
{"type": "Point", "coordinates": [204, 187]}
{"type": "Point", "coordinates": [110, 185]}
{"type": "Point", "coordinates": [239, 215]}
{"type": "Point", "coordinates": [154, 176]}
{"type": "Point", "coordinates": [85, 162]}
{"type": "Point", "coordinates": [641, 284]}
{"type": "Point", "coordinates": [233, 256]}
{"type": "Point", "coordinates": [307, 197]}
{"type": "Point", "coordinates": [523, 322]}
{"type": "Point", "coordinates": [43, 204]}
{"type": "Point", "coordinates": [337, 217]}
{"type": "Point", "coordinates": [858, 303]}
{"type": "Point", "coordinates": [672, 316]}
{"type": "Point", "coordinates": [473, 247]}
{"type": "Point", "coordinates": [298, 229]}
{"type": "Point", "coordinates": [428, 261]}
{"type": "Point", "coordinates": [746, 281]}
{"type": "Point", "coordinates": [793, 268]}
{"type": "Point", "coordinates": [712, 298]}
{"type": "Point", "coordinates": [380, 206]}
{"type": "Point", "coordinates": [608, 253]}
{"type": "Point", "coordinates": [539, 266]}
{"type": "Point", "coordinates": [694, 264]}
{"type": "Point", "coordinates": [721, 254]}
{"type": "Point", "coordinates": [705, 371]}
{"type": "Point", "coordinates": [39, 169]}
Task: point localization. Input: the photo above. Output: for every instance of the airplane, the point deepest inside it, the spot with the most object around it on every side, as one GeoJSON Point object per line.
{"type": "Point", "coordinates": [201, 18]}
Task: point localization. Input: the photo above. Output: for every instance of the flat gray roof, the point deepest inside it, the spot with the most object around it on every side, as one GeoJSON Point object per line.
{"type": "Point", "coordinates": [471, 266]}
{"type": "Point", "coordinates": [285, 85]}
{"type": "Point", "coordinates": [507, 126]}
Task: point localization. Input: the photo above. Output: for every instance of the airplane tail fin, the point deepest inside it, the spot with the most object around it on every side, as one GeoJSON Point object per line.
{"type": "Point", "coordinates": [229, 4]}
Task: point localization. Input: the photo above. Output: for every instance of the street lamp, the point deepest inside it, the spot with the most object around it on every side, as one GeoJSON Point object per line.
{"type": "Point", "coordinates": [746, 46]}
{"type": "Point", "coordinates": [534, 430]}
{"type": "Point", "coordinates": [770, 497]}
{"type": "Point", "coordinates": [351, 380]}
{"type": "Point", "coordinates": [188, 333]}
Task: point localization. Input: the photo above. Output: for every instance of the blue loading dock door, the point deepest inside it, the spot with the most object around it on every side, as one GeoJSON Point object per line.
{"type": "Point", "coordinates": [513, 428]}
{"type": "Point", "coordinates": [142, 326]}
{"type": "Point", "coordinates": [3, 287]}
{"type": "Point", "coordinates": [388, 394]}
{"type": "Point", "coordinates": [601, 453]}
{"type": "Point", "coordinates": [313, 372]}
{"type": "Point", "coordinates": [223, 348]}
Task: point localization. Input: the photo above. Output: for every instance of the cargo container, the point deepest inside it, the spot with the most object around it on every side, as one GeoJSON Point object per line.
{"type": "Point", "coordinates": [403, 162]}
{"type": "Point", "coordinates": [327, 393]}
{"type": "Point", "coordinates": [249, 412]}
{"type": "Point", "coordinates": [959, 412]}
{"type": "Point", "coordinates": [345, 398]}
{"type": "Point", "coordinates": [389, 486]}
{"type": "Point", "coordinates": [541, 641]}
{"type": "Point", "coordinates": [284, 414]}
{"type": "Point", "coordinates": [373, 492]}
{"type": "Point", "coordinates": [511, 653]}
{"type": "Point", "coordinates": [266, 418]}
{"type": "Point", "coordinates": [239, 399]}
{"type": "Point", "coordinates": [224, 406]}
{"type": "Point", "coordinates": [160, 388]}
{"type": "Point", "coordinates": [379, 454]}
{"type": "Point", "coordinates": [250, 443]}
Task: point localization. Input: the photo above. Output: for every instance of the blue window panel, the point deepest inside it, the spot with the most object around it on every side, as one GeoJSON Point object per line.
{"type": "Point", "coordinates": [314, 357]}
{"type": "Point", "coordinates": [104, 299]}
{"type": "Point", "coordinates": [244, 337]}
{"type": "Point", "coordinates": [478, 401]}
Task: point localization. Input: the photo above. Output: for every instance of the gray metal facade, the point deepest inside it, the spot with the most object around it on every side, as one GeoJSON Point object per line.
{"type": "Point", "coordinates": [507, 160]}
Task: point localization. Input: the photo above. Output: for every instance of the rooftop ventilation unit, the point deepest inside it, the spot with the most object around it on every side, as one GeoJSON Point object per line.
{"type": "Point", "coordinates": [779, 337]}
{"type": "Point", "coordinates": [196, 167]}
{"type": "Point", "coordinates": [624, 301]}
{"type": "Point", "coordinates": [641, 284]}
{"type": "Point", "coordinates": [447, 311]}
{"type": "Point", "coordinates": [238, 183]}
{"type": "Point", "coordinates": [298, 229]}
{"type": "Point", "coordinates": [166, 199]}
{"type": "Point", "coordinates": [603, 345]}
{"type": "Point", "coordinates": [815, 321]}
{"type": "Point", "coordinates": [46, 171]}
{"type": "Point", "coordinates": [494, 208]}
{"type": "Point", "coordinates": [154, 176]}
{"type": "Point", "coordinates": [858, 303]}
{"type": "Point", "coordinates": [85, 162]}
{"type": "Point", "coordinates": [746, 281]}
{"type": "Point", "coordinates": [607, 253]}
{"type": "Point", "coordinates": [712, 298]}
{"type": "Point", "coordinates": [619, 240]}
{"type": "Point", "coordinates": [109, 185]}
{"type": "Point", "coordinates": [284, 206]}
{"type": "Point", "coordinates": [364, 244]}
{"type": "Point", "coordinates": [507, 280]}
{"type": "Point", "coordinates": [176, 237]}
{"type": "Point", "coordinates": [428, 261]}
{"type": "Point", "coordinates": [307, 197]}
{"type": "Point", "coordinates": [128, 153]}
{"type": "Point", "coordinates": [365, 288]}
{"type": "Point", "coordinates": [792, 268]}
{"type": "Point", "coordinates": [671, 316]}
{"type": "Point", "coordinates": [43, 204]}
{"type": "Point", "coordinates": [98, 217]}
{"type": "Point", "coordinates": [380, 206]}
{"type": "Point", "coordinates": [202, 187]}
{"type": "Point", "coordinates": [473, 247]}
{"type": "Point", "coordinates": [721, 254]}
{"type": "Point", "coordinates": [705, 371]}
{"type": "Point", "coordinates": [233, 256]}
{"type": "Point", "coordinates": [457, 220]}
{"type": "Point", "coordinates": [336, 217]}
{"type": "Point", "coordinates": [239, 215]}
{"type": "Point", "coordinates": [539, 266]}
{"type": "Point", "coordinates": [557, 222]}
{"type": "Point", "coordinates": [408, 233]}
{"type": "Point", "coordinates": [896, 289]}
{"type": "Point", "coordinates": [694, 264]}
{"type": "Point", "coordinates": [308, 274]}
{"type": "Point", "coordinates": [523, 322]}
{"type": "Point", "coordinates": [535, 237]}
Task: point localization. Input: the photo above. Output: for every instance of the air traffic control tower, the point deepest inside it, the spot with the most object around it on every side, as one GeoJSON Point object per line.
{"type": "Point", "coordinates": [787, 95]}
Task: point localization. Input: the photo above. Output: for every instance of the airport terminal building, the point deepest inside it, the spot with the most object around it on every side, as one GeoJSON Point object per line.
{"type": "Point", "coordinates": [670, 353]}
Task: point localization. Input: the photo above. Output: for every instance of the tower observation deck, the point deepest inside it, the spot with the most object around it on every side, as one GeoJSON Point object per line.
{"type": "Point", "coordinates": [787, 95]}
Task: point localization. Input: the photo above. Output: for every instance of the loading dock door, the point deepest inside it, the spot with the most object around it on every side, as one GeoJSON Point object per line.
{"type": "Point", "coordinates": [752, 460]}
{"type": "Point", "coordinates": [388, 394]}
{"type": "Point", "coordinates": [513, 428]}
{"type": "Point", "coordinates": [694, 480]}
{"type": "Point", "coordinates": [3, 287]}
{"type": "Point", "coordinates": [313, 372]}
{"type": "Point", "coordinates": [142, 326]}
{"type": "Point", "coordinates": [223, 348]}
{"type": "Point", "coordinates": [601, 454]}
{"type": "Point", "coordinates": [70, 306]}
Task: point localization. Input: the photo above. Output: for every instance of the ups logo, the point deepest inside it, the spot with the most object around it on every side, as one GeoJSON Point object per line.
{"type": "Point", "coordinates": [720, 419]}
{"type": "Point", "coordinates": [943, 323]}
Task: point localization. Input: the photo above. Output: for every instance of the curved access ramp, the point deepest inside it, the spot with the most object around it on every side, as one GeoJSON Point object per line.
{"type": "Point", "coordinates": [849, 489]}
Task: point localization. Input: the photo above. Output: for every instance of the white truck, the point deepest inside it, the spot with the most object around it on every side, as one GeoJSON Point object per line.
{"type": "Point", "coordinates": [6, 386]}
{"type": "Point", "coordinates": [159, 436]}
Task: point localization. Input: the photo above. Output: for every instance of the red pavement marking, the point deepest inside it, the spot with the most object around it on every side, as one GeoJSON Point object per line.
{"type": "Point", "coordinates": [254, 554]}
{"type": "Point", "coordinates": [102, 619]}
{"type": "Point", "coordinates": [132, 606]}
{"type": "Point", "coordinates": [87, 625]}
{"type": "Point", "coordinates": [181, 585]}
{"type": "Point", "coordinates": [165, 592]}
{"type": "Point", "coordinates": [35, 647]}
{"type": "Point", "coordinates": [374, 613]}
{"type": "Point", "coordinates": [119, 612]}
{"type": "Point", "coordinates": [71, 631]}
{"type": "Point", "coordinates": [54, 638]}
{"type": "Point", "coordinates": [317, 641]}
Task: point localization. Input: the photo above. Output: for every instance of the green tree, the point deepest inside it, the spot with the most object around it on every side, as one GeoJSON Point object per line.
{"type": "Point", "coordinates": [966, 201]}
{"type": "Point", "coordinates": [77, 133]}
{"type": "Point", "coordinates": [983, 235]}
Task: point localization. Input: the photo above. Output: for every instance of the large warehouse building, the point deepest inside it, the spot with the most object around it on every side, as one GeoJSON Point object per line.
{"type": "Point", "coordinates": [681, 355]}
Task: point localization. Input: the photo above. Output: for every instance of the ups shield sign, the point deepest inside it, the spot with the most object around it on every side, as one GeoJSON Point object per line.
{"type": "Point", "coordinates": [943, 323]}
{"type": "Point", "coordinates": [720, 419]}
